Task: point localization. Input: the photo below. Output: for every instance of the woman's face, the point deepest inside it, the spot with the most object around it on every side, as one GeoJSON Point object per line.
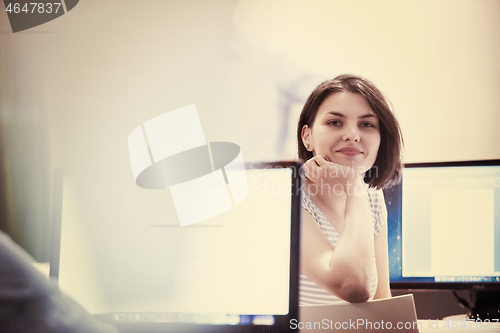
{"type": "Point", "coordinates": [346, 130]}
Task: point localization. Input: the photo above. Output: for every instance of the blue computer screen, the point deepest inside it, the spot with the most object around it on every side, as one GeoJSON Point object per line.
{"type": "Point", "coordinates": [444, 223]}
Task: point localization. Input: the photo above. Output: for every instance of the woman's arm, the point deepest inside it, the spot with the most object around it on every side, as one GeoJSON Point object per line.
{"type": "Point", "coordinates": [346, 270]}
{"type": "Point", "coordinates": [382, 261]}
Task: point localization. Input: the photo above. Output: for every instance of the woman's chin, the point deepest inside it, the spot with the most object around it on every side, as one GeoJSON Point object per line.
{"type": "Point", "coordinates": [345, 161]}
{"type": "Point", "coordinates": [361, 168]}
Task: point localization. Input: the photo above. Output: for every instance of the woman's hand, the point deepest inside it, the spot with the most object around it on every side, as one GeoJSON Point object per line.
{"type": "Point", "coordinates": [329, 178]}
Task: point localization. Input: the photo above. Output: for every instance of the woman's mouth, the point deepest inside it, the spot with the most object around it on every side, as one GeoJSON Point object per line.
{"type": "Point", "coordinates": [349, 151]}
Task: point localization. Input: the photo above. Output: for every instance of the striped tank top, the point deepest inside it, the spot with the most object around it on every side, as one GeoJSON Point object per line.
{"type": "Point", "coordinates": [309, 292]}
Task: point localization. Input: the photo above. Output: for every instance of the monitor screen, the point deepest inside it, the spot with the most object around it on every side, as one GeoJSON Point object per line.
{"type": "Point", "coordinates": [444, 226]}
{"type": "Point", "coordinates": [238, 268]}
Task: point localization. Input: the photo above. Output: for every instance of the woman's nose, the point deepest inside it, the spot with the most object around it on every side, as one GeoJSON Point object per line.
{"type": "Point", "coordinates": [351, 134]}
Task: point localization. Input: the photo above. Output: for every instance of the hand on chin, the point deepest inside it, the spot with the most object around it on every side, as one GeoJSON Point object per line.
{"type": "Point", "coordinates": [331, 177]}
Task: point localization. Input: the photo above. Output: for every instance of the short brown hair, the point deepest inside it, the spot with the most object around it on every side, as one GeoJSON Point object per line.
{"type": "Point", "coordinates": [386, 170]}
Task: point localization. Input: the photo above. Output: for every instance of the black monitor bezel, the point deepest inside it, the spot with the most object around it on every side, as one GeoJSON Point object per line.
{"type": "Point", "coordinates": [442, 286]}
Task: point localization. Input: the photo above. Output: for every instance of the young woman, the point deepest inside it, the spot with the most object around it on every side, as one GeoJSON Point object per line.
{"type": "Point", "coordinates": [351, 143]}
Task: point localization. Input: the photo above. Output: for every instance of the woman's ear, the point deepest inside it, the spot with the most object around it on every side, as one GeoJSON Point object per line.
{"type": "Point", "coordinates": [306, 137]}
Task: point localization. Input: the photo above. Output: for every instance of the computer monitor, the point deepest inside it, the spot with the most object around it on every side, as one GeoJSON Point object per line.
{"type": "Point", "coordinates": [235, 272]}
{"type": "Point", "coordinates": [444, 226]}
{"type": "Point", "coordinates": [444, 231]}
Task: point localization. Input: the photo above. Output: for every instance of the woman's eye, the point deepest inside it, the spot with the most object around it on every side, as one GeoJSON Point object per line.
{"type": "Point", "coordinates": [367, 124]}
{"type": "Point", "coordinates": [335, 123]}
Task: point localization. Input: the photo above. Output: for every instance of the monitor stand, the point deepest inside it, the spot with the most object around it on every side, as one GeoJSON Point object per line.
{"type": "Point", "coordinates": [485, 305]}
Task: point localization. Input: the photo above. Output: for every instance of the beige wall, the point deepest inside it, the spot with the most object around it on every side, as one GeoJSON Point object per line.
{"type": "Point", "coordinates": [97, 72]}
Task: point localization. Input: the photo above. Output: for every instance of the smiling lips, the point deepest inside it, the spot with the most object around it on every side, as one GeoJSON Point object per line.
{"type": "Point", "coordinates": [349, 151]}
